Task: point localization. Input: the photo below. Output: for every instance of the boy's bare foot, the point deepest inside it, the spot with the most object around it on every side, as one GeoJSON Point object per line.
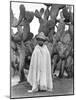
{"type": "Point", "coordinates": [34, 90]}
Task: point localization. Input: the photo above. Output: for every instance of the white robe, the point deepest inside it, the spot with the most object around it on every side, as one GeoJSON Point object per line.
{"type": "Point", "coordinates": [40, 69]}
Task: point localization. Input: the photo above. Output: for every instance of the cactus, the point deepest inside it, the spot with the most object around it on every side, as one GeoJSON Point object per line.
{"type": "Point", "coordinates": [25, 18]}
{"type": "Point", "coordinates": [54, 11]}
{"type": "Point", "coordinates": [45, 25]}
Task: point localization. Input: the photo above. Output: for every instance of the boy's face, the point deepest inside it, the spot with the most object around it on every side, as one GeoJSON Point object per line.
{"type": "Point", "coordinates": [40, 41]}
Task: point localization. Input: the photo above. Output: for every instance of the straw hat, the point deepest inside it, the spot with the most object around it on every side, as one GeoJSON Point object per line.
{"type": "Point", "coordinates": [41, 36]}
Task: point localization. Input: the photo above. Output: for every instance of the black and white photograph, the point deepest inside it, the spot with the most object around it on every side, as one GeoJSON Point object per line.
{"type": "Point", "coordinates": [41, 49]}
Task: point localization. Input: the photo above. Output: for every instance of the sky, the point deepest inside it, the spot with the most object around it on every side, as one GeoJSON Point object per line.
{"type": "Point", "coordinates": [34, 25]}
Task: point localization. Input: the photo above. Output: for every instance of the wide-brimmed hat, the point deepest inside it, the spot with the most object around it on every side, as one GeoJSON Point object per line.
{"type": "Point", "coordinates": [41, 36]}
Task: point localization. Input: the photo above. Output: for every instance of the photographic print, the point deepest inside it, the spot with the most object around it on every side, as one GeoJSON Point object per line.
{"type": "Point", "coordinates": [41, 49]}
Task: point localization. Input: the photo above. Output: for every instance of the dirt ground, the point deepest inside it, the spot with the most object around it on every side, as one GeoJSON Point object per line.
{"type": "Point", "coordinates": [60, 87]}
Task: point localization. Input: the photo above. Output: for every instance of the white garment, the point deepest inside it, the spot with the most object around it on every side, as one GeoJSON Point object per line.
{"type": "Point", "coordinates": [40, 69]}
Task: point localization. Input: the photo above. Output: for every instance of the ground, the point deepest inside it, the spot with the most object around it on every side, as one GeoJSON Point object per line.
{"type": "Point", "coordinates": [60, 87]}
